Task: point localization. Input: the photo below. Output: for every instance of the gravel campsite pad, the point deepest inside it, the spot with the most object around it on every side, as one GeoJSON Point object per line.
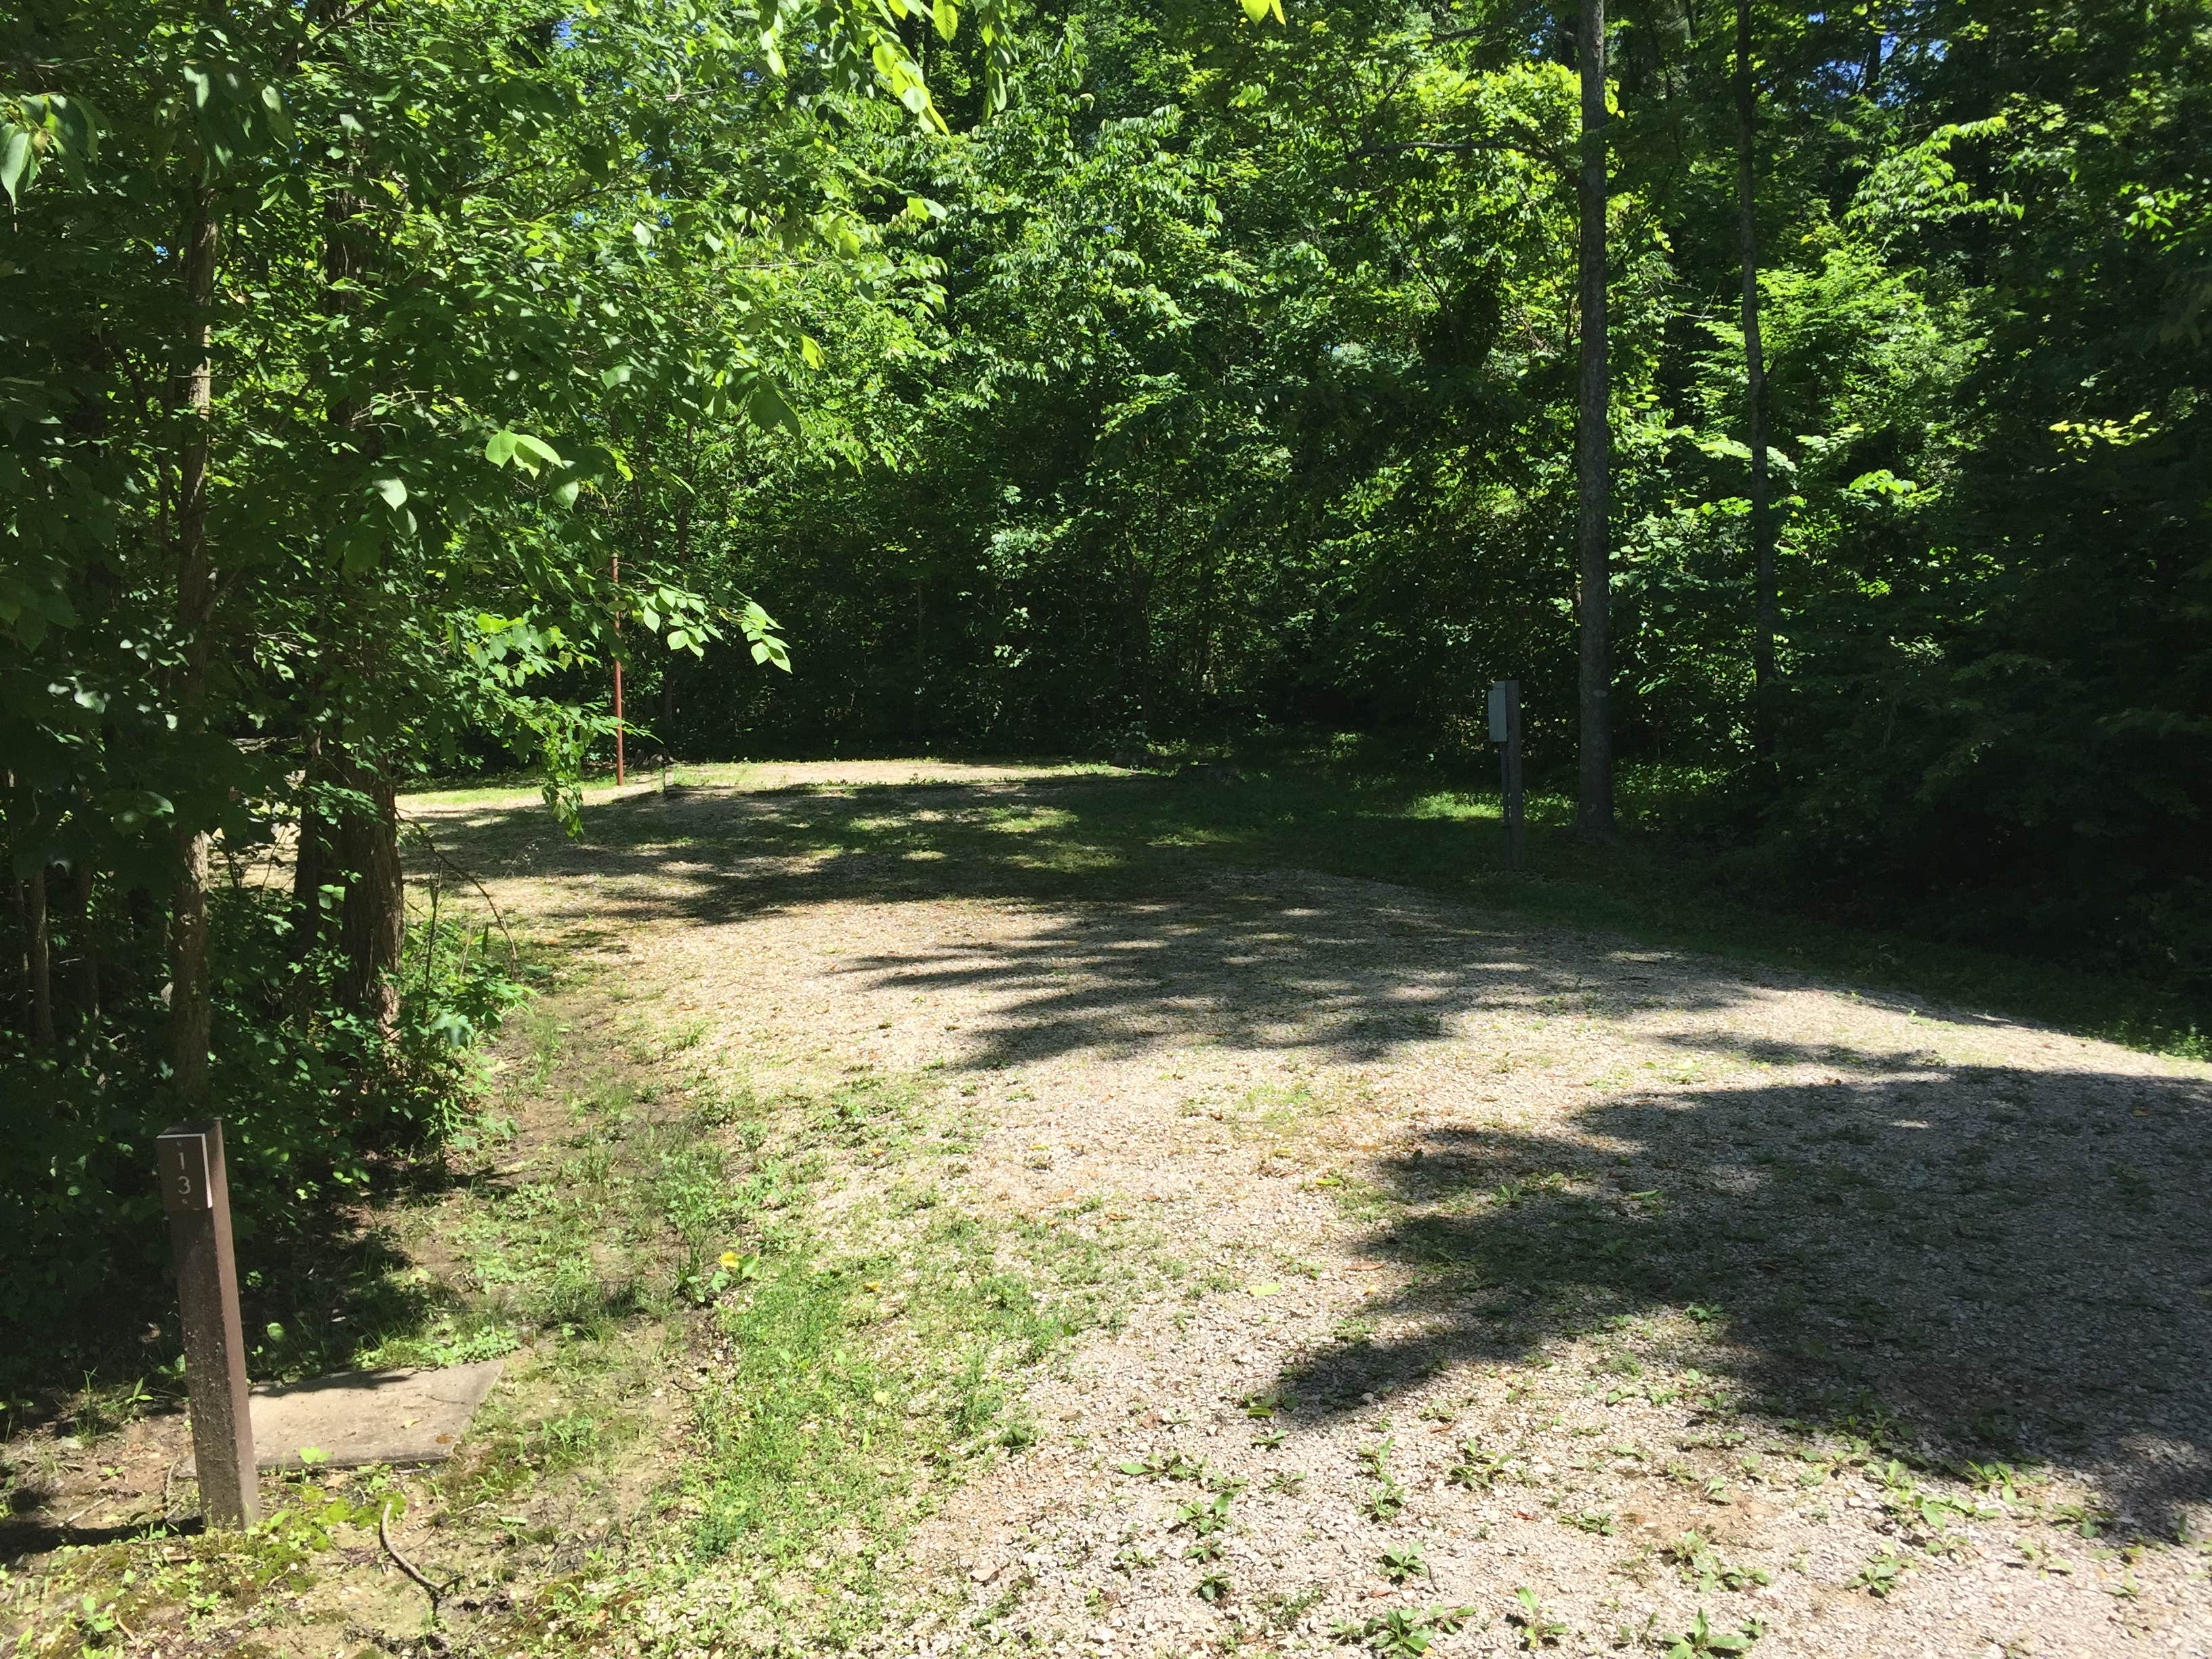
{"type": "Point", "coordinates": [1534, 1291]}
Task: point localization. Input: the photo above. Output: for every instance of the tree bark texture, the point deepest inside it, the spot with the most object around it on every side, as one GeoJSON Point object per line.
{"type": "Point", "coordinates": [360, 849]}
{"type": "Point", "coordinates": [88, 948]}
{"type": "Point", "coordinates": [312, 867]}
{"type": "Point", "coordinates": [1594, 447]}
{"type": "Point", "coordinates": [1870, 69]}
{"type": "Point", "coordinates": [373, 920]}
{"type": "Point", "coordinates": [1755, 369]}
{"type": "Point", "coordinates": [190, 1004]}
{"type": "Point", "coordinates": [37, 953]}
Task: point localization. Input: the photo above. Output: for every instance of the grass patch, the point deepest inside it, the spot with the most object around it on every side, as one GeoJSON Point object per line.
{"type": "Point", "coordinates": [721, 1398]}
{"type": "Point", "coordinates": [851, 1388]}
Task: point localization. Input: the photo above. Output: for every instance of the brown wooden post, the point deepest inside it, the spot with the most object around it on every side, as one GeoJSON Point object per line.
{"type": "Point", "coordinates": [197, 1195]}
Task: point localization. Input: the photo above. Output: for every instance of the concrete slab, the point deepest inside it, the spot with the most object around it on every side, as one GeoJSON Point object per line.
{"type": "Point", "coordinates": [407, 1416]}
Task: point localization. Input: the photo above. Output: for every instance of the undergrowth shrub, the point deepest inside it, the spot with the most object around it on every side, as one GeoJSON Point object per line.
{"type": "Point", "coordinates": [317, 1108]}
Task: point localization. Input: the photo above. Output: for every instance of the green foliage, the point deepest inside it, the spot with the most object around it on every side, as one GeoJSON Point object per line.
{"type": "Point", "coordinates": [1702, 1568]}
{"type": "Point", "coordinates": [1480, 1469]}
{"type": "Point", "coordinates": [1085, 377]}
{"type": "Point", "coordinates": [1186, 411]}
{"type": "Point", "coordinates": [1404, 1632]}
{"type": "Point", "coordinates": [1533, 1625]}
{"type": "Point", "coordinates": [337, 345]}
{"type": "Point", "coordinates": [1402, 1561]}
{"type": "Point", "coordinates": [319, 1101]}
{"type": "Point", "coordinates": [1203, 1516]}
{"type": "Point", "coordinates": [1879, 1574]}
{"type": "Point", "coordinates": [1385, 1499]}
{"type": "Point", "coordinates": [1701, 1638]}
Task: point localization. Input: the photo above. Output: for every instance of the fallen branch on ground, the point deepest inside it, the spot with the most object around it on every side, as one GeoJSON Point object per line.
{"type": "Point", "coordinates": [384, 1536]}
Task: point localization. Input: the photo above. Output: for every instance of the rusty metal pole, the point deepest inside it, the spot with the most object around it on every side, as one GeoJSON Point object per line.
{"type": "Point", "coordinates": [196, 1194]}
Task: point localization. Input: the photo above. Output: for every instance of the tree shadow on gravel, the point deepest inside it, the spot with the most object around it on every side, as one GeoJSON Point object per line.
{"type": "Point", "coordinates": [1985, 1262]}
{"type": "Point", "coordinates": [1132, 941]}
{"type": "Point", "coordinates": [1979, 1263]}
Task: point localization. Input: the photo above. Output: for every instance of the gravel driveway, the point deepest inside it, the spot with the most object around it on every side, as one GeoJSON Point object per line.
{"type": "Point", "coordinates": [1529, 1290]}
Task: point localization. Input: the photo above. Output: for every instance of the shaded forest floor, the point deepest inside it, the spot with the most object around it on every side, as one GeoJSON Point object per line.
{"type": "Point", "coordinates": [954, 1209]}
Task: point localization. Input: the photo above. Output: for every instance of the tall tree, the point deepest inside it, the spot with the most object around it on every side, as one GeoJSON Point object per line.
{"type": "Point", "coordinates": [1764, 599]}
{"type": "Point", "coordinates": [190, 1006]}
{"type": "Point", "coordinates": [1594, 443]}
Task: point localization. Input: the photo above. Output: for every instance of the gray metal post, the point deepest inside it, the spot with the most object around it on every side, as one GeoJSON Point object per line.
{"type": "Point", "coordinates": [196, 1194]}
{"type": "Point", "coordinates": [1505, 732]}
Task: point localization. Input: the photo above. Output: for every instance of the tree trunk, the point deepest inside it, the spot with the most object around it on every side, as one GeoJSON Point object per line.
{"type": "Point", "coordinates": [190, 1005]}
{"type": "Point", "coordinates": [38, 957]}
{"type": "Point", "coordinates": [1870, 69]}
{"type": "Point", "coordinates": [1592, 448]}
{"type": "Point", "coordinates": [19, 955]}
{"type": "Point", "coordinates": [358, 847]}
{"type": "Point", "coordinates": [668, 670]}
{"type": "Point", "coordinates": [373, 920]}
{"type": "Point", "coordinates": [87, 948]}
{"type": "Point", "coordinates": [138, 938]}
{"type": "Point", "coordinates": [312, 868]}
{"type": "Point", "coordinates": [1754, 368]}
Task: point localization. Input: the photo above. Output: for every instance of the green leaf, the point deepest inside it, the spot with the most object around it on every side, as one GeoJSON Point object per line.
{"type": "Point", "coordinates": [393, 491]}
{"type": "Point", "coordinates": [15, 160]}
{"type": "Point", "coordinates": [530, 454]}
{"type": "Point", "coordinates": [360, 546]}
{"type": "Point", "coordinates": [280, 118]}
{"type": "Point", "coordinates": [767, 407]}
{"type": "Point", "coordinates": [525, 444]}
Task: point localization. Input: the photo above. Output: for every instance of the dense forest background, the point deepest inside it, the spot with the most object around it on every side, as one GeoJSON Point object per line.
{"type": "Point", "coordinates": [1237, 389]}
{"type": "Point", "coordinates": [1062, 378]}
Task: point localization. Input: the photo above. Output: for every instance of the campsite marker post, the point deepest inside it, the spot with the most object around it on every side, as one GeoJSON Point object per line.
{"type": "Point", "coordinates": [196, 1194]}
{"type": "Point", "coordinates": [1505, 732]}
